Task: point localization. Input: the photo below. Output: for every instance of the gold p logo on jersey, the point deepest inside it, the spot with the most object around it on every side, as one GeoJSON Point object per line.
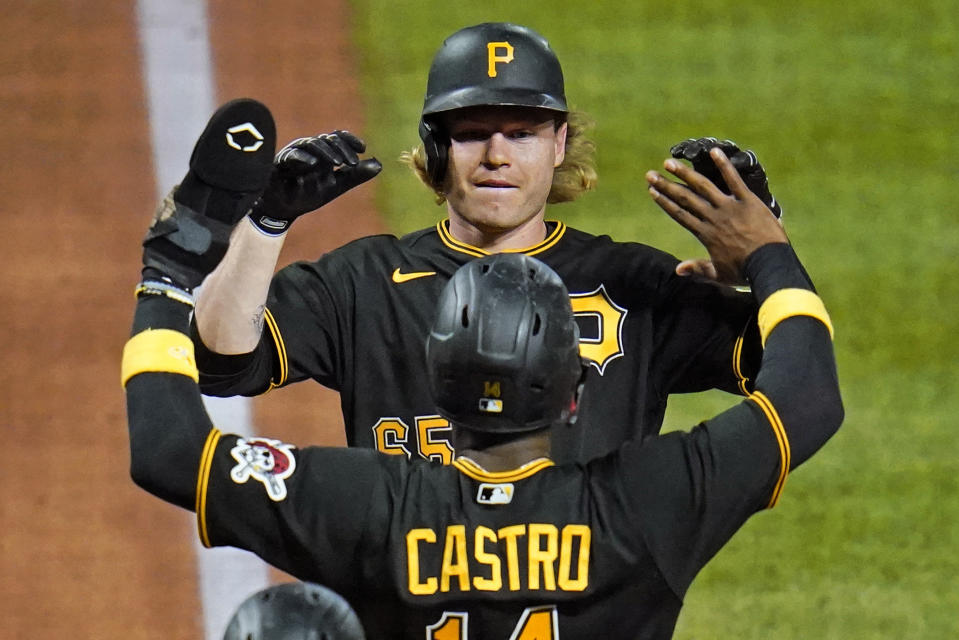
{"type": "Point", "coordinates": [493, 55]}
{"type": "Point", "coordinates": [604, 342]}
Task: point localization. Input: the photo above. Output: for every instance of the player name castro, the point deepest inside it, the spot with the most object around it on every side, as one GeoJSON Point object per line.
{"type": "Point", "coordinates": [535, 556]}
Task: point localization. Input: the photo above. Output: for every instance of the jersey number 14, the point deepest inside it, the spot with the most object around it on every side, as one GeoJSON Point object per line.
{"type": "Point", "coordinates": [536, 623]}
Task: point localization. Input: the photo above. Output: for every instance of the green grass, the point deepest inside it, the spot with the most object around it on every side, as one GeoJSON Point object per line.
{"type": "Point", "coordinates": [853, 109]}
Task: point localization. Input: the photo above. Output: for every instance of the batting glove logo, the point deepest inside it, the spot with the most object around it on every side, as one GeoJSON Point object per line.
{"type": "Point", "coordinates": [266, 461]}
{"type": "Point", "coordinates": [248, 128]}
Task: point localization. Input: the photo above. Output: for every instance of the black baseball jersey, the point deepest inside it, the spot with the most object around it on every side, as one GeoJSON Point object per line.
{"type": "Point", "coordinates": [356, 321]}
{"type": "Point", "coordinates": [546, 551]}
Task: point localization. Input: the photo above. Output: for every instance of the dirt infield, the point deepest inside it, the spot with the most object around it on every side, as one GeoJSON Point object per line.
{"type": "Point", "coordinates": [84, 553]}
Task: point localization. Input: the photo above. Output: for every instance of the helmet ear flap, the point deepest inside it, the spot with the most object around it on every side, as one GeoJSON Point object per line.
{"type": "Point", "coordinates": [436, 144]}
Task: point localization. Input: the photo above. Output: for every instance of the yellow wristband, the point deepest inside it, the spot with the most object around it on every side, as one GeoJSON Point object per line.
{"type": "Point", "coordinates": [158, 351]}
{"type": "Point", "coordinates": [787, 303]}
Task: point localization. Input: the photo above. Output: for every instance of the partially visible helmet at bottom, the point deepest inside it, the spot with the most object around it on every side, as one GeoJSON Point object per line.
{"type": "Point", "coordinates": [295, 611]}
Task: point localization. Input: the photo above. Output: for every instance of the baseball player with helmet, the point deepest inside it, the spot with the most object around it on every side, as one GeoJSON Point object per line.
{"type": "Point", "coordinates": [504, 542]}
{"type": "Point", "coordinates": [498, 142]}
{"type": "Point", "coordinates": [294, 611]}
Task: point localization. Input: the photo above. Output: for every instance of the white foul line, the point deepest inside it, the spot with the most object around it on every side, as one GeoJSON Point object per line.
{"type": "Point", "coordinates": [179, 80]}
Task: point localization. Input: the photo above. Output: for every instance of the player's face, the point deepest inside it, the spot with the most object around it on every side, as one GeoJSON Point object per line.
{"type": "Point", "coordinates": [500, 171]}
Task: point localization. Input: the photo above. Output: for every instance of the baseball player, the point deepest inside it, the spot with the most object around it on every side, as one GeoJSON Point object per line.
{"type": "Point", "coordinates": [294, 611]}
{"type": "Point", "coordinates": [498, 143]}
{"type": "Point", "coordinates": [503, 542]}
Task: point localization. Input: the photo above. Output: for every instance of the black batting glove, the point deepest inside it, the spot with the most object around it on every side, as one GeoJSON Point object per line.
{"type": "Point", "coordinates": [307, 174]}
{"type": "Point", "coordinates": [696, 150]}
{"type": "Point", "coordinates": [229, 168]}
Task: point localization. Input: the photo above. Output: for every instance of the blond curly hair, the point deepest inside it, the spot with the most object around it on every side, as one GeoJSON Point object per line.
{"type": "Point", "coordinates": [574, 177]}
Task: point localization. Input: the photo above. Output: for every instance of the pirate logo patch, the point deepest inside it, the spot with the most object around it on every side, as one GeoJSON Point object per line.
{"type": "Point", "coordinates": [264, 460]}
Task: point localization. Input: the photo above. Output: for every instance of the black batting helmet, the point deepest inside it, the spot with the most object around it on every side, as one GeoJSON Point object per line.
{"type": "Point", "coordinates": [503, 352]}
{"type": "Point", "coordinates": [494, 63]}
{"type": "Point", "coordinates": [295, 611]}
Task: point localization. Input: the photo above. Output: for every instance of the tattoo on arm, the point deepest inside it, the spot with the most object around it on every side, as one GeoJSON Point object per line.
{"type": "Point", "coordinates": [258, 318]}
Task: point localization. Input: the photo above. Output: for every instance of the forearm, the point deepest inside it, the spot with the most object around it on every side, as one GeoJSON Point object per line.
{"type": "Point", "coordinates": [231, 302]}
{"type": "Point", "coordinates": [792, 274]}
{"type": "Point", "coordinates": [798, 373]}
{"type": "Point", "coordinates": [167, 422]}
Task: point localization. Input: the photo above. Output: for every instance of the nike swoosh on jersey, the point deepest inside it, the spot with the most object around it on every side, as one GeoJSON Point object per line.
{"type": "Point", "coordinates": [399, 277]}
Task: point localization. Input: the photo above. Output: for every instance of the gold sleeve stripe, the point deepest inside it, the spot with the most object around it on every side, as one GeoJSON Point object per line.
{"type": "Point", "coordinates": [203, 484]}
{"type": "Point", "coordinates": [741, 380]}
{"type": "Point", "coordinates": [158, 351]}
{"type": "Point", "coordinates": [280, 350]}
{"type": "Point", "coordinates": [787, 303]}
{"type": "Point", "coordinates": [782, 440]}
{"type": "Point", "coordinates": [474, 471]}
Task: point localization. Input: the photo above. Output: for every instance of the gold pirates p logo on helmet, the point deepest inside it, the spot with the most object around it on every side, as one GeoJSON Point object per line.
{"type": "Point", "coordinates": [494, 57]}
{"type": "Point", "coordinates": [489, 64]}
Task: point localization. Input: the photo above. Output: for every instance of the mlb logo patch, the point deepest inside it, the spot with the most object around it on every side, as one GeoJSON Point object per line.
{"type": "Point", "coordinates": [495, 493]}
{"type": "Point", "coordinates": [491, 405]}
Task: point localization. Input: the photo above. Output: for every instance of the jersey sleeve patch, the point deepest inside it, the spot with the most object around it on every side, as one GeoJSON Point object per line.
{"type": "Point", "coordinates": [267, 461]}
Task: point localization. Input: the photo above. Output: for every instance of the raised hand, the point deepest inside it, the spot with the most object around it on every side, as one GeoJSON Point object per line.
{"type": "Point", "coordinates": [731, 226]}
{"type": "Point", "coordinates": [696, 150]}
{"type": "Point", "coordinates": [308, 173]}
{"type": "Point", "coordinates": [229, 169]}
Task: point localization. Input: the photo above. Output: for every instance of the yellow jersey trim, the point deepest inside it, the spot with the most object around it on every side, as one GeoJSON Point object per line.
{"type": "Point", "coordinates": [741, 380]}
{"type": "Point", "coordinates": [787, 303]}
{"type": "Point", "coordinates": [158, 351]}
{"type": "Point", "coordinates": [476, 472]}
{"type": "Point", "coordinates": [203, 484]}
{"type": "Point", "coordinates": [442, 228]}
{"type": "Point", "coordinates": [280, 347]}
{"type": "Point", "coordinates": [785, 455]}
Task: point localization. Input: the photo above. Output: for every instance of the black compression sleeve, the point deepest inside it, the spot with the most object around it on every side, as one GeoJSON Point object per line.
{"type": "Point", "coordinates": [700, 487]}
{"type": "Point", "coordinates": [167, 422]}
{"type": "Point", "coordinates": [773, 267]}
{"type": "Point", "coordinates": [798, 372]}
{"type": "Point", "coordinates": [160, 312]}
